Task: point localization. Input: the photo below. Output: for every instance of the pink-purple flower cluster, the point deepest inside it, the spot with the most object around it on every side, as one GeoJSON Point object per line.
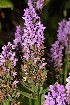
{"type": "Point", "coordinates": [56, 95]}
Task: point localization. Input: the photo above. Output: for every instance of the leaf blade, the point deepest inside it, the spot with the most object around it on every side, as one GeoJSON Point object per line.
{"type": "Point", "coordinates": [6, 4]}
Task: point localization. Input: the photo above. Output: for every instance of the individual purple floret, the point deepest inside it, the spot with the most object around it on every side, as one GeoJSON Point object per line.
{"type": "Point", "coordinates": [14, 74]}
{"type": "Point", "coordinates": [56, 95]}
{"type": "Point", "coordinates": [56, 54]}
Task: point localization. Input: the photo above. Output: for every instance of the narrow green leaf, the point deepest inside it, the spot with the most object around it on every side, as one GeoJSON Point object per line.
{"type": "Point", "coordinates": [28, 95]}
{"type": "Point", "coordinates": [44, 91]}
{"type": "Point", "coordinates": [42, 98]}
{"type": "Point", "coordinates": [25, 94]}
{"type": "Point", "coordinates": [41, 89]}
{"type": "Point", "coordinates": [27, 87]}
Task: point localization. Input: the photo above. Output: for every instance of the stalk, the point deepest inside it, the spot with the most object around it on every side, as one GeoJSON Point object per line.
{"type": "Point", "coordinates": [61, 77]}
{"type": "Point", "coordinates": [67, 62]}
{"type": "Point", "coordinates": [30, 101]}
{"type": "Point", "coordinates": [38, 100]}
{"type": "Point", "coordinates": [65, 73]}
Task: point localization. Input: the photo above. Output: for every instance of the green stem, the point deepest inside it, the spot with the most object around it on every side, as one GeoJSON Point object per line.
{"type": "Point", "coordinates": [38, 100]}
{"type": "Point", "coordinates": [65, 73]}
{"type": "Point", "coordinates": [61, 77]}
{"type": "Point", "coordinates": [30, 101]}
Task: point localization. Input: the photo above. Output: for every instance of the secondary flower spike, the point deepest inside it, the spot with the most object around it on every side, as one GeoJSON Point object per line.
{"type": "Point", "coordinates": [56, 54]}
{"type": "Point", "coordinates": [64, 32]}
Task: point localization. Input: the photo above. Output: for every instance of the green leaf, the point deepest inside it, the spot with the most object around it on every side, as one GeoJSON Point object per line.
{"type": "Point", "coordinates": [28, 95]}
{"type": "Point", "coordinates": [25, 94]}
{"type": "Point", "coordinates": [6, 102]}
{"type": "Point", "coordinates": [41, 89]}
{"type": "Point", "coordinates": [6, 4]}
{"type": "Point", "coordinates": [27, 87]}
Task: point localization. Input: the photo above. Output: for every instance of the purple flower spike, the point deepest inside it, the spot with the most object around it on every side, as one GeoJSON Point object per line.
{"type": "Point", "coordinates": [56, 54]}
